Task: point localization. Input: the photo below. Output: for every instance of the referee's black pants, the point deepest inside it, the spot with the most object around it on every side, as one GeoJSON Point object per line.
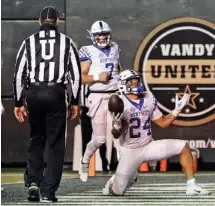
{"type": "Point", "coordinates": [47, 107]}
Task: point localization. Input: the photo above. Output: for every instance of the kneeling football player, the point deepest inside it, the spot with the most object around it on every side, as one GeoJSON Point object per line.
{"type": "Point", "coordinates": [133, 128]}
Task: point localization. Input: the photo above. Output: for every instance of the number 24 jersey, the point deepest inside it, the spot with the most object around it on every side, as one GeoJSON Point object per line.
{"type": "Point", "coordinates": [137, 117]}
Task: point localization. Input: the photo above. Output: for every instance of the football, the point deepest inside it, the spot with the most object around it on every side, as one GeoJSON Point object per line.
{"type": "Point", "coordinates": [115, 104]}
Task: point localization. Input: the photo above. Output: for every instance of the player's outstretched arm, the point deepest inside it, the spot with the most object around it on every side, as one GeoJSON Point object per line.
{"type": "Point", "coordinates": [165, 121]}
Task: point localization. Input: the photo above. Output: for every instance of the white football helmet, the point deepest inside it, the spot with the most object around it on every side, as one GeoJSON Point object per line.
{"type": "Point", "coordinates": [124, 86]}
{"type": "Point", "coordinates": [100, 28]}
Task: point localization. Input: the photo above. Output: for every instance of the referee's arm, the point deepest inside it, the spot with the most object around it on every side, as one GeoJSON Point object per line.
{"type": "Point", "coordinates": [19, 75]}
{"type": "Point", "coordinates": [75, 74]}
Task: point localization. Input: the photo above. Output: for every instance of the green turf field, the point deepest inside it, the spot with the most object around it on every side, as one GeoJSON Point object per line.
{"type": "Point", "coordinates": [10, 175]}
{"type": "Point", "coordinates": [151, 189]}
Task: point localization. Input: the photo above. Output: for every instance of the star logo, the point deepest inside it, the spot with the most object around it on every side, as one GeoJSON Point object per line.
{"type": "Point", "coordinates": [169, 66]}
{"type": "Point", "coordinates": [193, 96]}
{"type": "Point", "coordinates": [187, 110]}
{"type": "Point", "coordinates": [201, 100]}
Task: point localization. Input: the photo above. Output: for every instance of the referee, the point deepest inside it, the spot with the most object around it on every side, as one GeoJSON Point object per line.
{"type": "Point", "coordinates": [48, 61]}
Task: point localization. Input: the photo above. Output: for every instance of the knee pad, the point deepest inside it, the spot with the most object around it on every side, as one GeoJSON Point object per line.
{"type": "Point", "coordinates": [94, 144]}
{"type": "Point", "coordinates": [100, 140]}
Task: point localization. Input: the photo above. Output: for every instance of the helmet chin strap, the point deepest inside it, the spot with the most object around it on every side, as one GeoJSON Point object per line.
{"type": "Point", "coordinates": [138, 90]}
{"type": "Point", "coordinates": [106, 44]}
{"type": "Point", "coordinates": [102, 46]}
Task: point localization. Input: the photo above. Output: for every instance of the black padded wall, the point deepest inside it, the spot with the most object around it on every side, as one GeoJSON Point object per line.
{"type": "Point", "coordinates": [19, 20]}
{"type": "Point", "coordinates": [28, 9]}
{"type": "Point", "coordinates": [13, 33]}
{"type": "Point", "coordinates": [130, 20]}
{"type": "Point", "coordinates": [15, 137]}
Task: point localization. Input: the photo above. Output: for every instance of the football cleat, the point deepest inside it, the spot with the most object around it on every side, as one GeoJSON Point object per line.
{"type": "Point", "coordinates": [83, 171]}
{"type": "Point", "coordinates": [194, 189]}
{"type": "Point", "coordinates": [106, 189]}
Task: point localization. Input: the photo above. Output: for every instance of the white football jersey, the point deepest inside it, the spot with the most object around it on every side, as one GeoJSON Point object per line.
{"type": "Point", "coordinates": [102, 61]}
{"type": "Point", "coordinates": [137, 118]}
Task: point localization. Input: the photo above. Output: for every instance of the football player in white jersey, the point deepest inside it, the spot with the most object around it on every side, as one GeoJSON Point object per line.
{"type": "Point", "coordinates": [100, 67]}
{"type": "Point", "coordinates": [136, 144]}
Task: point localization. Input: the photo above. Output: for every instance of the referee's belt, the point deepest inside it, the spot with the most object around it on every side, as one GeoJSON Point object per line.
{"type": "Point", "coordinates": [46, 84]}
{"type": "Point", "coordinates": [110, 91]}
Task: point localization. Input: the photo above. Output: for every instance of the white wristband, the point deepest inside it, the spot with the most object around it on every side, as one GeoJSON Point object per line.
{"type": "Point", "coordinates": [96, 77]}
{"type": "Point", "coordinates": [175, 113]}
{"type": "Point", "coordinates": [117, 125]}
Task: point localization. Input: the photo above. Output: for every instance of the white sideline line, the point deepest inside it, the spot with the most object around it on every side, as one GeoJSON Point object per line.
{"type": "Point", "coordinates": [171, 184]}
{"type": "Point", "coordinates": [173, 175]}
{"type": "Point", "coordinates": [123, 204]}
{"type": "Point", "coordinates": [139, 184]}
{"type": "Point", "coordinates": [137, 198]}
{"type": "Point", "coordinates": [161, 174]}
{"type": "Point", "coordinates": [134, 203]}
{"type": "Point", "coordinates": [12, 183]}
{"type": "Point", "coordinates": [154, 191]}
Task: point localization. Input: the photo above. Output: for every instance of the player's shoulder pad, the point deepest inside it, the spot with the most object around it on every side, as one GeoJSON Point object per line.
{"type": "Point", "coordinates": [148, 94]}
{"type": "Point", "coordinates": [85, 53]}
{"type": "Point", "coordinates": [152, 98]}
{"type": "Point", "coordinates": [114, 44]}
{"type": "Point", "coordinates": [89, 48]}
{"type": "Point", "coordinates": [83, 47]}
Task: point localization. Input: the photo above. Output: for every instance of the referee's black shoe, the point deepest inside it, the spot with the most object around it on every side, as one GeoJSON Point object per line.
{"type": "Point", "coordinates": [33, 193]}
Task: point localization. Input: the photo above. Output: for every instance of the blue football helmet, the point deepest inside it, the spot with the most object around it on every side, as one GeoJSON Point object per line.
{"type": "Point", "coordinates": [125, 83]}
{"type": "Point", "coordinates": [100, 28]}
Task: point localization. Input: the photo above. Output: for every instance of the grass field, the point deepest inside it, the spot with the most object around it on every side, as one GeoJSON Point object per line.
{"type": "Point", "coordinates": [11, 175]}
{"type": "Point", "coordinates": [151, 189]}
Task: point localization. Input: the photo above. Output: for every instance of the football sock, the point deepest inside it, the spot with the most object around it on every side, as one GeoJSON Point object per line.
{"type": "Point", "coordinates": [191, 181]}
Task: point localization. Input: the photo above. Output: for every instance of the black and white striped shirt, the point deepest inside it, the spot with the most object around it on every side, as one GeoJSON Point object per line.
{"type": "Point", "coordinates": [47, 56]}
{"type": "Point", "coordinates": [84, 94]}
